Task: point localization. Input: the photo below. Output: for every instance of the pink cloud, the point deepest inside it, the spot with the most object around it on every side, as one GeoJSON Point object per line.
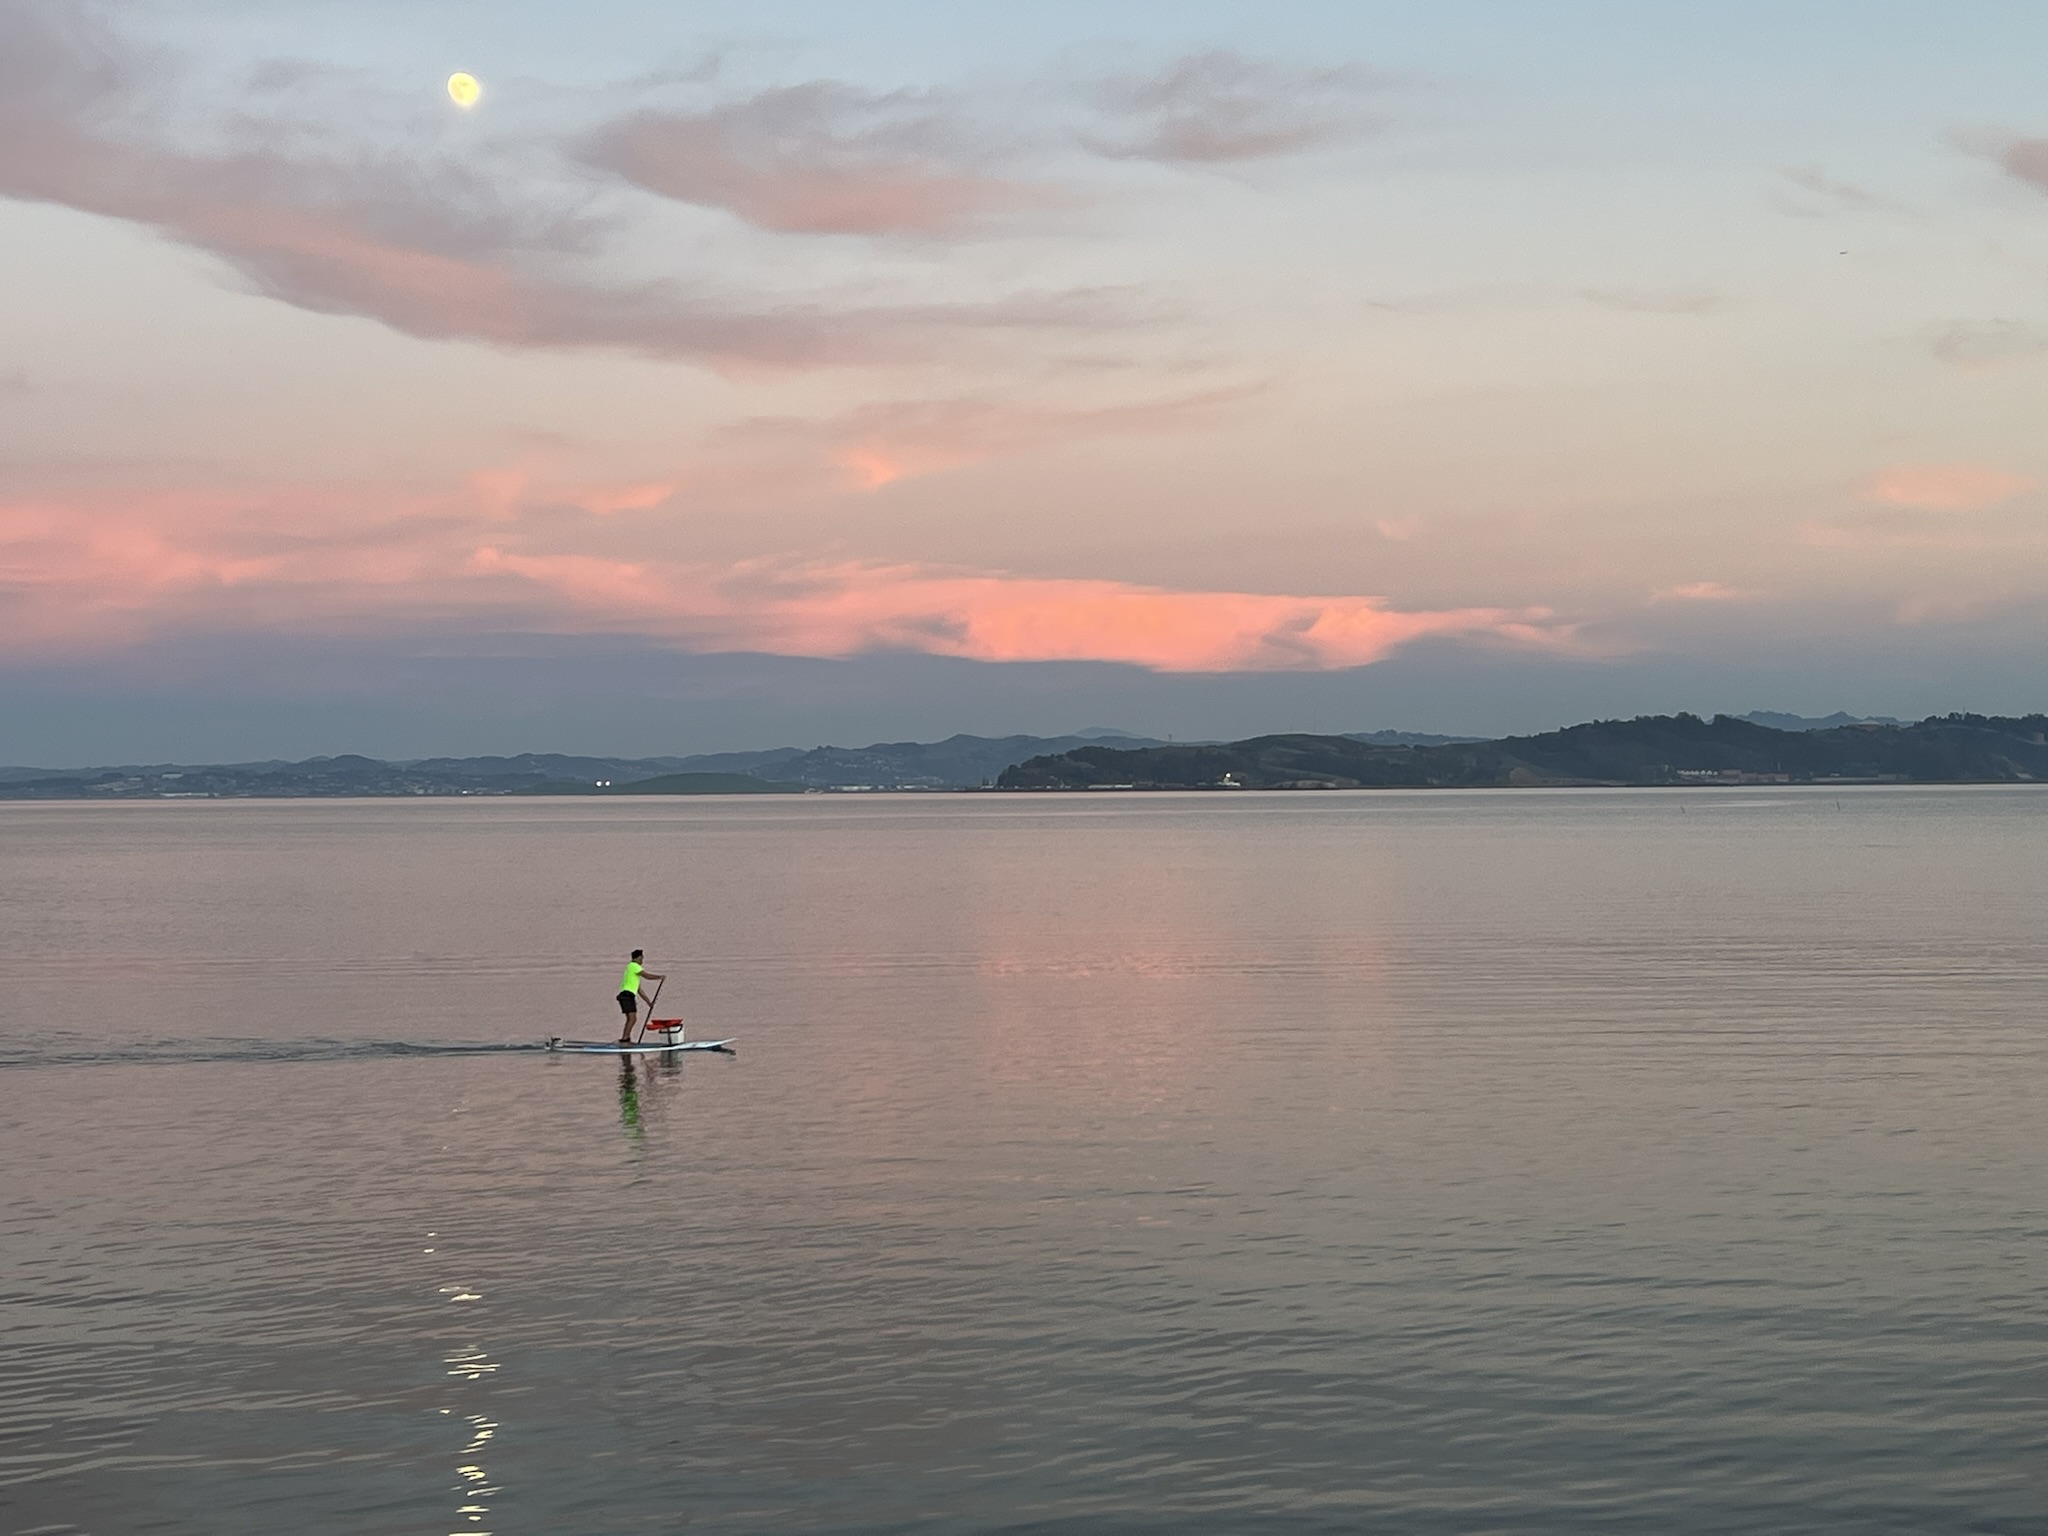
{"type": "Point", "coordinates": [117, 569]}
{"type": "Point", "coordinates": [842, 609]}
{"type": "Point", "coordinates": [816, 158]}
{"type": "Point", "coordinates": [893, 440]}
{"type": "Point", "coordinates": [641, 497]}
{"type": "Point", "coordinates": [1696, 592]}
{"type": "Point", "coordinates": [872, 467]}
{"type": "Point", "coordinates": [1944, 487]}
{"type": "Point", "coordinates": [826, 158]}
{"type": "Point", "coordinates": [878, 444]}
{"type": "Point", "coordinates": [428, 246]}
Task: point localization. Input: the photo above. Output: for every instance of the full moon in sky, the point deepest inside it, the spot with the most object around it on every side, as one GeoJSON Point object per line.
{"type": "Point", "coordinates": [463, 90]}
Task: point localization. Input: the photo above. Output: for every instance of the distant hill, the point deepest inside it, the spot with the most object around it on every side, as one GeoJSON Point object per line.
{"type": "Point", "coordinates": [544, 766]}
{"type": "Point", "coordinates": [1651, 749]}
{"type": "Point", "coordinates": [322, 778]}
{"type": "Point", "coordinates": [1778, 722]}
{"type": "Point", "coordinates": [959, 762]}
{"type": "Point", "coordinates": [675, 784]}
{"type": "Point", "coordinates": [1405, 739]}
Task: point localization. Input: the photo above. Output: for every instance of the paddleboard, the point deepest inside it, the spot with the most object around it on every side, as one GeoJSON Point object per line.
{"type": "Point", "coordinates": [613, 1048]}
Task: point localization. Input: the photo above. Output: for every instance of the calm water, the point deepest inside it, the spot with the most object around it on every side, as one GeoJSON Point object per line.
{"type": "Point", "coordinates": [1522, 1162]}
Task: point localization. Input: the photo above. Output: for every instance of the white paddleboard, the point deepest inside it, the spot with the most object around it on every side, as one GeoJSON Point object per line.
{"type": "Point", "coordinates": [613, 1048]}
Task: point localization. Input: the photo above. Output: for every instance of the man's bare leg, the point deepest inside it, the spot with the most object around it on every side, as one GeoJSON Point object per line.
{"type": "Point", "coordinates": [632, 1022]}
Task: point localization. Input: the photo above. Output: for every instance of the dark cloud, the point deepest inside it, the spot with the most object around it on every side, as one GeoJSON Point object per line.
{"type": "Point", "coordinates": [817, 158]}
{"type": "Point", "coordinates": [1221, 107]}
{"type": "Point", "coordinates": [2027, 160]}
{"type": "Point", "coordinates": [430, 247]}
{"type": "Point", "coordinates": [1981, 344]}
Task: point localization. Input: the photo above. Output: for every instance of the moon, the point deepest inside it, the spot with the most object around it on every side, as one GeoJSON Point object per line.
{"type": "Point", "coordinates": [463, 90]}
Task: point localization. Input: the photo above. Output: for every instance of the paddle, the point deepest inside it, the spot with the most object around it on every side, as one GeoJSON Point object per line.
{"type": "Point", "coordinates": [650, 1009]}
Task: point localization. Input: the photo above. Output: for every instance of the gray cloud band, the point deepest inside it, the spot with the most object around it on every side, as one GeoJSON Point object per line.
{"type": "Point", "coordinates": [427, 246]}
{"type": "Point", "coordinates": [442, 249]}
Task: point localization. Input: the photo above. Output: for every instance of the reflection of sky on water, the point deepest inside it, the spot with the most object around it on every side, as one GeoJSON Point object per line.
{"type": "Point", "coordinates": [472, 1364]}
{"type": "Point", "coordinates": [1371, 1160]}
{"type": "Point", "coordinates": [475, 1484]}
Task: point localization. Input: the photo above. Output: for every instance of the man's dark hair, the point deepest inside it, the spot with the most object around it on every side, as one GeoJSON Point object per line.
{"type": "Point", "coordinates": [638, 953]}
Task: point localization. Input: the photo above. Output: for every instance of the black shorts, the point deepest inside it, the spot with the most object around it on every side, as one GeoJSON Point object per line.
{"type": "Point", "coordinates": [629, 1002]}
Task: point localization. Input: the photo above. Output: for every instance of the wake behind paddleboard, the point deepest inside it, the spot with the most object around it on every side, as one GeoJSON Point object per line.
{"type": "Point", "coordinates": [613, 1048]}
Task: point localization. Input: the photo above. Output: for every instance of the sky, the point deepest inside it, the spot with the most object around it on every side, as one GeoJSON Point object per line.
{"type": "Point", "coordinates": [737, 375]}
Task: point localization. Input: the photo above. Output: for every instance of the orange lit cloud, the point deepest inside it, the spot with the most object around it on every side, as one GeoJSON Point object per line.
{"type": "Point", "coordinates": [842, 609]}
{"type": "Point", "coordinates": [1695, 592]}
{"type": "Point", "coordinates": [888, 441]}
{"type": "Point", "coordinates": [872, 467]}
{"type": "Point", "coordinates": [115, 569]}
{"type": "Point", "coordinates": [1944, 487]}
{"type": "Point", "coordinates": [625, 498]}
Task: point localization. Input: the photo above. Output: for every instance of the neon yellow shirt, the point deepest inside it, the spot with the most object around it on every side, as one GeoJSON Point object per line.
{"type": "Point", "coordinates": [630, 982]}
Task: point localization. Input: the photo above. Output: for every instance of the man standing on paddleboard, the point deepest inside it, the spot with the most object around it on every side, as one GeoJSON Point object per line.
{"type": "Point", "coordinates": [630, 993]}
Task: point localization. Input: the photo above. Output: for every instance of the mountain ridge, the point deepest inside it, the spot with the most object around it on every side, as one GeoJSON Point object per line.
{"type": "Point", "coordinates": [1648, 750]}
{"type": "Point", "coordinates": [961, 761]}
